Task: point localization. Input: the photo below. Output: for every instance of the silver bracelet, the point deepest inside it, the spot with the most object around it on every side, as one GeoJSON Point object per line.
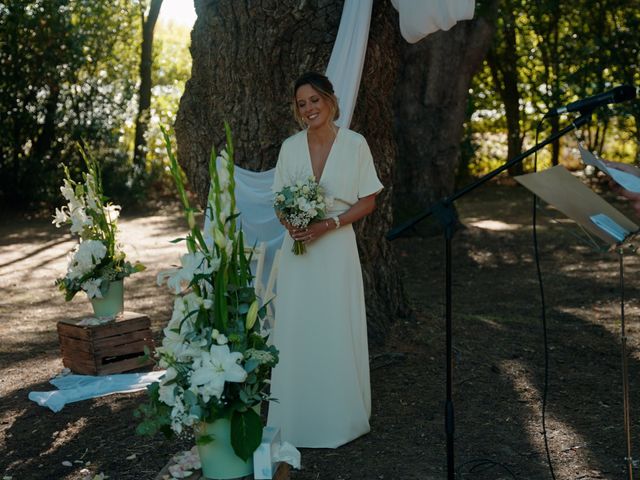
{"type": "Point", "coordinates": [336, 220]}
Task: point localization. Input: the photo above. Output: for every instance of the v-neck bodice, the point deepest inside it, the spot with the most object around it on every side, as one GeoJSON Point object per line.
{"type": "Point", "coordinates": [326, 161]}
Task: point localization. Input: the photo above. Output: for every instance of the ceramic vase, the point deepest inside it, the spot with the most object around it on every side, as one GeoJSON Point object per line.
{"type": "Point", "coordinates": [112, 302]}
{"type": "Point", "coordinates": [219, 461]}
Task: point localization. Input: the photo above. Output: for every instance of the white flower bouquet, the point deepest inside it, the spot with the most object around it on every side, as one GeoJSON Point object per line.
{"type": "Point", "coordinates": [98, 259]}
{"type": "Point", "coordinates": [217, 360]}
{"type": "Point", "coordinates": [300, 204]}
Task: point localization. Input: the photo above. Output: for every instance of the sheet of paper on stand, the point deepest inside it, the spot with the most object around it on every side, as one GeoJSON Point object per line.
{"type": "Point", "coordinates": [626, 180]}
{"type": "Point", "coordinates": [610, 226]}
{"type": "Point", "coordinates": [271, 453]}
{"type": "Point", "coordinates": [566, 193]}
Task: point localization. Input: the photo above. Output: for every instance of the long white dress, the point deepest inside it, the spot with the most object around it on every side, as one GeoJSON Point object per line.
{"type": "Point", "coordinates": [322, 380]}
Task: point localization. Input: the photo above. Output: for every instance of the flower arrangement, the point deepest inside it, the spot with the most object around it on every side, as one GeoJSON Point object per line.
{"type": "Point", "coordinates": [300, 204]}
{"type": "Point", "coordinates": [98, 259]}
{"type": "Point", "coordinates": [216, 356]}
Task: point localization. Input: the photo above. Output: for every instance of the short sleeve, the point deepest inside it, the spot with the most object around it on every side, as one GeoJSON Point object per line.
{"type": "Point", "coordinates": [368, 182]}
{"type": "Point", "coordinates": [278, 178]}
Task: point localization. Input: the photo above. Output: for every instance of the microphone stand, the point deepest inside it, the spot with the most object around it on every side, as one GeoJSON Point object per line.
{"type": "Point", "coordinates": [444, 212]}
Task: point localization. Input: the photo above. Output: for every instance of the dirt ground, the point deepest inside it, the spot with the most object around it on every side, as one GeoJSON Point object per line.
{"type": "Point", "coordinates": [498, 351]}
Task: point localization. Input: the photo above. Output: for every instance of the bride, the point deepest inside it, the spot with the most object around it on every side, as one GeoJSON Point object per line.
{"type": "Point", "coordinates": [321, 385]}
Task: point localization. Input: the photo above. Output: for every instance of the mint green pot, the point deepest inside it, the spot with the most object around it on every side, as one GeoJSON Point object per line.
{"type": "Point", "coordinates": [112, 303]}
{"type": "Point", "coordinates": [219, 461]}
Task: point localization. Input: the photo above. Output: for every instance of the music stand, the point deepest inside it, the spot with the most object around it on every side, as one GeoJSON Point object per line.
{"type": "Point", "coordinates": [557, 187]}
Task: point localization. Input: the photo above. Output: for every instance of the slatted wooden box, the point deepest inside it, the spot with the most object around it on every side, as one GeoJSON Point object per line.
{"type": "Point", "coordinates": [114, 347]}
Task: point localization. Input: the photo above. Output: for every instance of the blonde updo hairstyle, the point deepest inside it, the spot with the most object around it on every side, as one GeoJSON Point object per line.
{"type": "Point", "coordinates": [320, 84]}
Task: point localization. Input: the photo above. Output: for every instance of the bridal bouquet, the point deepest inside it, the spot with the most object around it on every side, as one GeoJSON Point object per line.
{"type": "Point", "coordinates": [214, 351]}
{"type": "Point", "coordinates": [98, 259]}
{"type": "Point", "coordinates": [300, 204]}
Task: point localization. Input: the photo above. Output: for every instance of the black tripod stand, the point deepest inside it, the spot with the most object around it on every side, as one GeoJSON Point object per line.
{"type": "Point", "coordinates": [444, 212]}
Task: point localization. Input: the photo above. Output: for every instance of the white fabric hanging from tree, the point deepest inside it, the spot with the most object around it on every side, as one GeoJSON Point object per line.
{"type": "Point", "coordinates": [419, 18]}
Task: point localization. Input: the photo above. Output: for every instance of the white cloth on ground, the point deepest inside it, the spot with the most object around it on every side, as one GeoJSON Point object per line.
{"type": "Point", "coordinates": [73, 388]}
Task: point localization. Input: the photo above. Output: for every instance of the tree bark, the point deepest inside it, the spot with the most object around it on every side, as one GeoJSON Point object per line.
{"type": "Point", "coordinates": [430, 107]}
{"type": "Point", "coordinates": [144, 95]}
{"type": "Point", "coordinates": [246, 56]}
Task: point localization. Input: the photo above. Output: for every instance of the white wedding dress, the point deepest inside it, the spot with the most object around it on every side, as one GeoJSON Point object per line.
{"type": "Point", "coordinates": [322, 380]}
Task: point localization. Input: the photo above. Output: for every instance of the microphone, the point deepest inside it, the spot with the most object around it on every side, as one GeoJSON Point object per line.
{"type": "Point", "coordinates": [615, 95]}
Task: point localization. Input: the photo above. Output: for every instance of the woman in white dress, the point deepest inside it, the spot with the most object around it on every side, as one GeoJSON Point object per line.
{"type": "Point", "coordinates": [322, 381]}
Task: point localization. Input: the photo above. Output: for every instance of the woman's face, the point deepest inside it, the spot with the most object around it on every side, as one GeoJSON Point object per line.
{"type": "Point", "coordinates": [313, 108]}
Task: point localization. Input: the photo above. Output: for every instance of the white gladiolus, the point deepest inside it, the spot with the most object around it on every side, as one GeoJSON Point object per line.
{"type": "Point", "coordinates": [223, 174]}
{"type": "Point", "coordinates": [91, 193]}
{"type": "Point", "coordinates": [113, 212]}
{"type": "Point", "coordinates": [61, 216]}
{"type": "Point", "coordinates": [80, 220]}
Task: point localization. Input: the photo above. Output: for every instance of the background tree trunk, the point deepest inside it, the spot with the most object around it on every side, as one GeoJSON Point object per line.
{"type": "Point", "coordinates": [246, 56]}
{"type": "Point", "coordinates": [502, 59]}
{"type": "Point", "coordinates": [430, 107]}
{"type": "Point", "coordinates": [144, 95]}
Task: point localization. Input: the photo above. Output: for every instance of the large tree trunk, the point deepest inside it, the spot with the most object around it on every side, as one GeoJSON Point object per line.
{"type": "Point", "coordinates": [144, 95]}
{"type": "Point", "coordinates": [246, 56]}
{"type": "Point", "coordinates": [430, 108]}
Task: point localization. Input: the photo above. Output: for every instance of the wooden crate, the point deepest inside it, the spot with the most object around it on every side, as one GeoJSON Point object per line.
{"type": "Point", "coordinates": [281, 474]}
{"type": "Point", "coordinates": [114, 347]}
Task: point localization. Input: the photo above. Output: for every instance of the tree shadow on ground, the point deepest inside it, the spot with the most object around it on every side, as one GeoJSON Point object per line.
{"type": "Point", "coordinates": [499, 353]}
{"type": "Point", "coordinates": [88, 434]}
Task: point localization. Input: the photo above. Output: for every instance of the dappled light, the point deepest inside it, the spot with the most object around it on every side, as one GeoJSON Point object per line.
{"type": "Point", "coordinates": [495, 225]}
{"type": "Point", "coordinates": [578, 447]}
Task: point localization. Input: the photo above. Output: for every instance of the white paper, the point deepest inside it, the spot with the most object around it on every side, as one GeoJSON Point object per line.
{"type": "Point", "coordinates": [611, 227]}
{"type": "Point", "coordinates": [285, 452]}
{"type": "Point", "coordinates": [626, 180]}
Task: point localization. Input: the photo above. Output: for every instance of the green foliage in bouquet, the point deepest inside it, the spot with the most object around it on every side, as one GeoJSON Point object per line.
{"type": "Point", "coordinates": [216, 356]}
{"type": "Point", "coordinates": [98, 259]}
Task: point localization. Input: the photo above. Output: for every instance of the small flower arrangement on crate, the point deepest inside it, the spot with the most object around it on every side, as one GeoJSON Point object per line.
{"type": "Point", "coordinates": [98, 261]}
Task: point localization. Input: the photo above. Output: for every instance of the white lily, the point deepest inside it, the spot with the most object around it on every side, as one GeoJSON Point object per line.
{"type": "Point", "coordinates": [92, 287]}
{"type": "Point", "coordinates": [214, 368]}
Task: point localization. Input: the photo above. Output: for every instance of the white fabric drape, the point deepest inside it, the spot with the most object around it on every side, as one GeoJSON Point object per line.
{"type": "Point", "coordinates": [347, 57]}
{"type": "Point", "coordinates": [418, 18]}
